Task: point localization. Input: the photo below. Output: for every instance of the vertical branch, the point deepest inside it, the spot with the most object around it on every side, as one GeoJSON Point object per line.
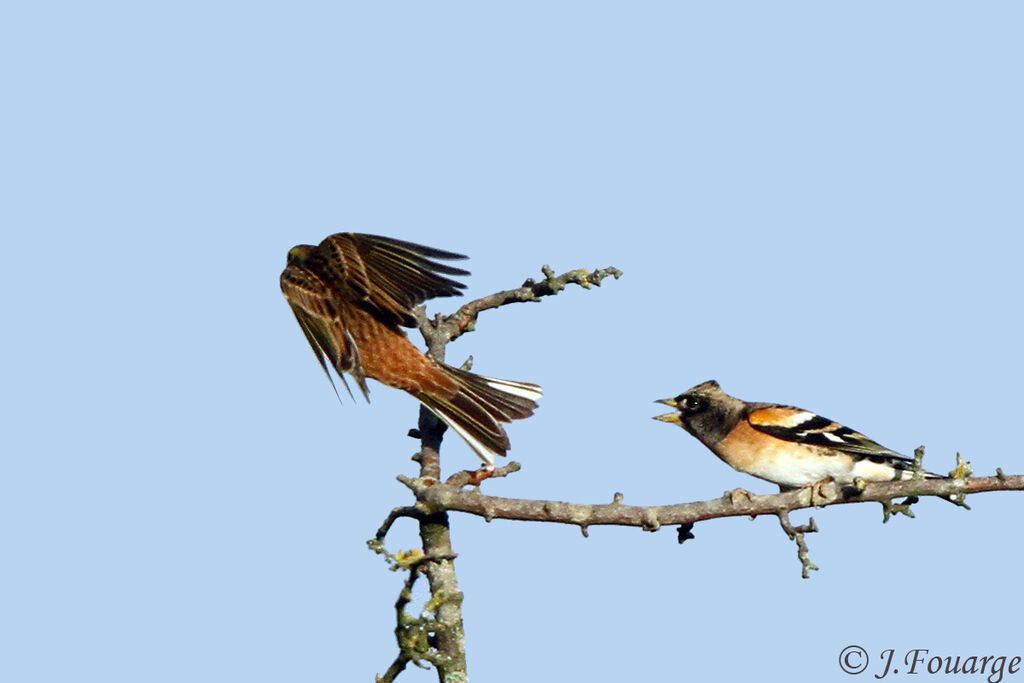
{"type": "Point", "coordinates": [447, 644]}
{"type": "Point", "coordinates": [435, 534]}
{"type": "Point", "coordinates": [446, 598]}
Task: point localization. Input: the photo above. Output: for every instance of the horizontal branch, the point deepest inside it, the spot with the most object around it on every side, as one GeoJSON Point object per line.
{"type": "Point", "coordinates": [433, 496]}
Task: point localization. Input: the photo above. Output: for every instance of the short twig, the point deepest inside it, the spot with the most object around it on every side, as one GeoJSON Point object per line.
{"type": "Point", "coordinates": [891, 509]}
{"type": "Point", "coordinates": [397, 667]}
{"type": "Point", "coordinates": [403, 625]}
{"type": "Point", "coordinates": [796, 533]}
{"type": "Point", "coordinates": [395, 515]}
{"type": "Point", "coordinates": [465, 477]}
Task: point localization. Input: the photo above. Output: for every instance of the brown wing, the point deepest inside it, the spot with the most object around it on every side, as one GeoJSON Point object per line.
{"type": "Point", "coordinates": [388, 276]}
{"type": "Point", "coordinates": [317, 307]}
{"type": "Point", "coordinates": [384, 276]}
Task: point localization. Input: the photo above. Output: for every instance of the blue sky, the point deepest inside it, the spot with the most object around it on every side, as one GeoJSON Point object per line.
{"type": "Point", "coordinates": [813, 203]}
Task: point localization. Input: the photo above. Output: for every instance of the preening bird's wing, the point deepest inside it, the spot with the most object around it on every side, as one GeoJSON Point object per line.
{"type": "Point", "coordinates": [317, 306]}
{"type": "Point", "coordinates": [387, 276]}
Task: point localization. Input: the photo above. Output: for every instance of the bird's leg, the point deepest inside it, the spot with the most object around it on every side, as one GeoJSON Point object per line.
{"type": "Point", "coordinates": [736, 496]}
{"type": "Point", "coordinates": [820, 493]}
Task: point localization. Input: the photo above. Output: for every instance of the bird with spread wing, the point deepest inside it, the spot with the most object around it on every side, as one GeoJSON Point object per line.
{"type": "Point", "coordinates": [352, 295]}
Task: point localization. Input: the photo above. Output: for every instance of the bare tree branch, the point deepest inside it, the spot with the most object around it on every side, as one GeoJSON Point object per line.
{"type": "Point", "coordinates": [432, 495]}
{"type": "Point", "coordinates": [436, 496]}
{"type": "Point", "coordinates": [404, 598]}
{"type": "Point", "coordinates": [414, 634]}
{"type": "Point", "coordinates": [438, 637]}
{"type": "Point", "coordinates": [464, 319]}
{"type": "Point", "coordinates": [796, 534]}
{"type": "Point", "coordinates": [394, 516]}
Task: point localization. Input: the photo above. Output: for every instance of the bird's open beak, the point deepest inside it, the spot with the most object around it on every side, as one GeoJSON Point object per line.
{"type": "Point", "coordinates": [674, 418]}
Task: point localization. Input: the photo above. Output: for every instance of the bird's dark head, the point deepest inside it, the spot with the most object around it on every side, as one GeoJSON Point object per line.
{"type": "Point", "coordinates": [299, 254]}
{"type": "Point", "coordinates": [705, 411]}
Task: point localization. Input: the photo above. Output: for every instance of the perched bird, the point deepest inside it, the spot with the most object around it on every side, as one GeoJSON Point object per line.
{"type": "Point", "coordinates": [781, 444]}
{"type": "Point", "coordinates": [352, 295]}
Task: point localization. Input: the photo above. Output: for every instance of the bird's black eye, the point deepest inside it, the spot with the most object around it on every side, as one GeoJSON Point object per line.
{"type": "Point", "coordinates": [693, 404]}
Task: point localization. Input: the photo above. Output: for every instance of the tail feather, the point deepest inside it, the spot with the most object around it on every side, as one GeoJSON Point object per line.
{"type": "Point", "coordinates": [478, 408]}
{"type": "Point", "coordinates": [906, 471]}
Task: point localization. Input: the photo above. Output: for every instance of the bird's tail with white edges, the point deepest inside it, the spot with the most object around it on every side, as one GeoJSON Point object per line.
{"type": "Point", "coordinates": [478, 408]}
